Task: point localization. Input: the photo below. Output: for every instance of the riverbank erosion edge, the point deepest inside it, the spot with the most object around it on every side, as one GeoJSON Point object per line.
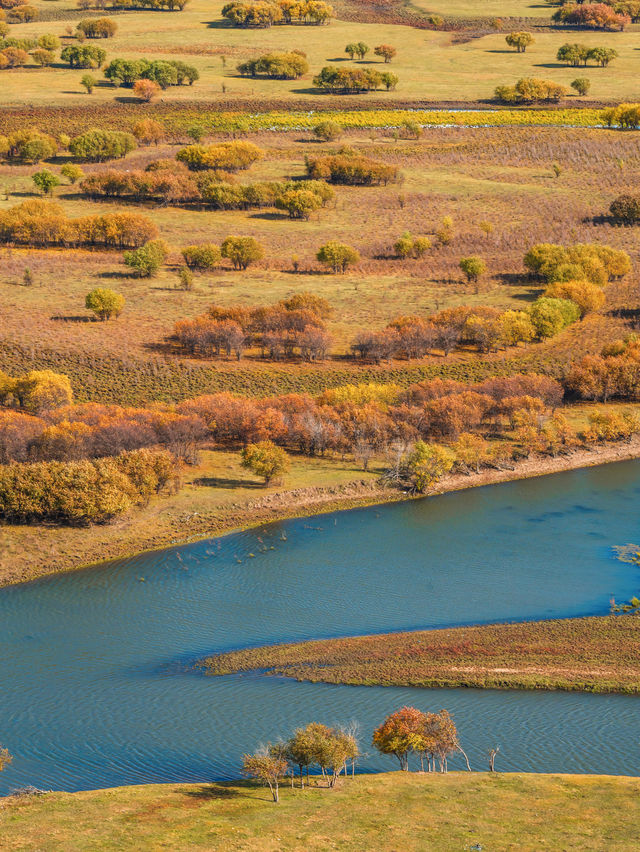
{"type": "Point", "coordinates": [52, 550]}
{"type": "Point", "coordinates": [595, 654]}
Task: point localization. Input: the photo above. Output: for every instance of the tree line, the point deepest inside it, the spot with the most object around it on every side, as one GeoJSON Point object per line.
{"type": "Point", "coordinates": [266, 13]}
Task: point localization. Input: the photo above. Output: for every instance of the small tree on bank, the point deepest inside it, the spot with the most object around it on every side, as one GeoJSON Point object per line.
{"type": "Point", "coordinates": [265, 459]}
{"type": "Point", "coordinates": [268, 768]}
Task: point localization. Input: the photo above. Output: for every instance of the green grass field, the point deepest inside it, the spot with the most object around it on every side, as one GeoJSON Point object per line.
{"type": "Point", "coordinates": [385, 813]}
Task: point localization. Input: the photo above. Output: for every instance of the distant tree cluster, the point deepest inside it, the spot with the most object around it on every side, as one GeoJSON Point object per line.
{"type": "Point", "coordinates": [276, 66]}
{"type": "Point", "coordinates": [530, 90]}
{"type": "Point", "coordinates": [582, 54]}
{"type": "Point", "coordinates": [165, 73]}
{"type": "Point", "coordinates": [349, 81]}
{"type": "Point", "coordinates": [266, 13]}
{"type": "Point", "coordinates": [293, 327]}
{"type": "Point", "coordinates": [146, 5]}
{"type": "Point", "coordinates": [44, 223]}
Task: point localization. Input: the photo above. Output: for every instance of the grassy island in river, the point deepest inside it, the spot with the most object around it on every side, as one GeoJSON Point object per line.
{"type": "Point", "coordinates": [597, 654]}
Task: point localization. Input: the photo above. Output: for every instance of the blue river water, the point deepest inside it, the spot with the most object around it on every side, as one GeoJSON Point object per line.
{"type": "Point", "coordinates": [99, 688]}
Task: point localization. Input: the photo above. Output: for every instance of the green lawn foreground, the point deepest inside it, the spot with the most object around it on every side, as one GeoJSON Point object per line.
{"type": "Point", "coordinates": [385, 813]}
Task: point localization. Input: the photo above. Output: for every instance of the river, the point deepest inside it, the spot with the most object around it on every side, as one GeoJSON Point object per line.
{"type": "Point", "coordinates": [98, 686]}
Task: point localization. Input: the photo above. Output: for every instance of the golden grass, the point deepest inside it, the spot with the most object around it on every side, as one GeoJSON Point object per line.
{"type": "Point", "coordinates": [387, 812]}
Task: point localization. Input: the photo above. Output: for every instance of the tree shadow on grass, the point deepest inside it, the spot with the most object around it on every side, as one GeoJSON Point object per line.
{"type": "Point", "coordinates": [221, 482]}
{"type": "Point", "coordinates": [73, 319]}
{"type": "Point", "coordinates": [213, 791]}
{"type": "Point", "coordinates": [115, 274]}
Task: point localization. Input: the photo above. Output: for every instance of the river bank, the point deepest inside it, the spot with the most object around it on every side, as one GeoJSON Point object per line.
{"type": "Point", "coordinates": [394, 810]}
{"type": "Point", "coordinates": [218, 497]}
{"type": "Point", "coordinates": [597, 654]}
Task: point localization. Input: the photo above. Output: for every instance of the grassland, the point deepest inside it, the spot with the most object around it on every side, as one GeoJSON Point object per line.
{"type": "Point", "coordinates": [431, 65]}
{"type": "Point", "coordinates": [408, 811]}
{"type": "Point", "coordinates": [597, 654]}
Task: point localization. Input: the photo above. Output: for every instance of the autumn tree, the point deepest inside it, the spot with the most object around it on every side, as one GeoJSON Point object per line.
{"type": "Point", "coordinates": [104, 303]}
{"type": "Point", "coordinates": [587, 296]}
{"type": "Point", "coordinates": [5, 758]}
{"type": "Point", "coordinates": [581, 85]}
{"type": "Point", "coordinates": [146, 260]}
{"type": "Point", "coordinates": [147, 131]}
{"type": "Point", "coordinates": [386, 51]}
{"type": "Point", "coordinates": [428, 463]}
{"type": "Point", "coordinates": [265, 459]}
{"type": "Point", "coordinates": [43, 390]}
{"type": "Point", "coordinates": [267, 768]}
{"type": "Point", "coordinates": [146, 90]}
{"type": "Point", "coordinates": [327, 131]}
{"type": "Point", "coordinates": [401, 733]}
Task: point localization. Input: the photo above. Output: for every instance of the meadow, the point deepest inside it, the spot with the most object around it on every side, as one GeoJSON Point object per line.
{"type": "Point", "coordinates": [385, 812]}
{"type": "Point", "coordinates": [431, 65]}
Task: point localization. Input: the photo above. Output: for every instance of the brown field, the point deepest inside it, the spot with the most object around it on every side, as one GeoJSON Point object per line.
{"type": "Point", "coordinates": [578, 654]}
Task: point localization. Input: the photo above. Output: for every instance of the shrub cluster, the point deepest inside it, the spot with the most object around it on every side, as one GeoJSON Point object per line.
{"type": "Point", "coordinates": [591, 261]}
{"type": "Point", "coordinates": [349, 81]}
{"type": "Point", "coordinates": [276, 66]}
{"type": "Point", "coordinates": [97, 27]}
{"type": "Point", "coordinates": [44, 223]}
{"type": "Point", "coordinates": [530, 90]}
{"type": "Point", "coordinates": [81, 492]}
{"type": "Point", "coordinates": [351, 169]}
{"type": "Point", "coordinates": [293, 327]}
{"type": "Point", "coordinates": [228, 156]}
{"type": "Point", "coordinates": [99, 145]}
{"type": "Point", "coordinates": [266, 13]}
{"type": "Point", "coordinates": [176, 185]}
